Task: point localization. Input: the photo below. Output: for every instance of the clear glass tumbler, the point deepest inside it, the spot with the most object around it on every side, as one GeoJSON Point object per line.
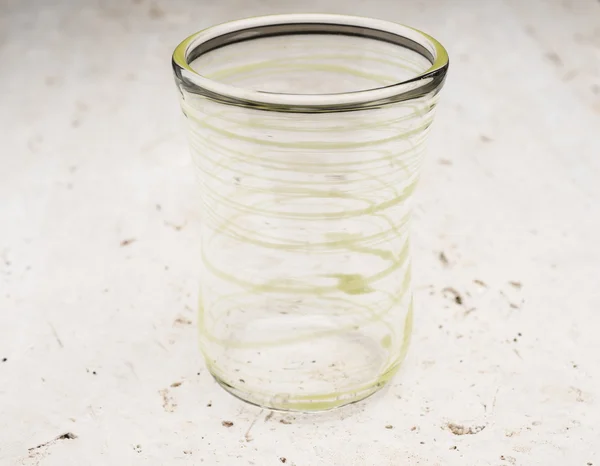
{"type": "Point", "coordinates": [308, 133]}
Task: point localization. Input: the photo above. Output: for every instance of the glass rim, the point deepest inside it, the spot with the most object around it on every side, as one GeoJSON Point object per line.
{"type": "Point", "coordinates": [230, 32]}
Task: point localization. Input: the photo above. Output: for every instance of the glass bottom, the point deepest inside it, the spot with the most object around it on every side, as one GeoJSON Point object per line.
{"type": "Point", "coordinates": [308, 373]}
{"type": "Point", "coordinates": [304, 404]}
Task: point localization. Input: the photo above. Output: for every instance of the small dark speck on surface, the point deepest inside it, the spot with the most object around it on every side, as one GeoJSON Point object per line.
{"type": "Point", "coordinates": [389, 426]}
{"type": "Point", "coordinates": [242, 380]}
{"type": "Point", "coordinates": [422, 443]}
{"type": "Point", "coordinates": [554, 58]}
{"type": "Point", "coordinates": [284, 421]}
{"type": "Point", "coordinates": [174, 226]}
{"type": "Point", "coordinates": [182, 321]}
{"type": "Point", "coordinates": [283, 459]}
{"type": "Point", "coordinates": [94, 372]}
{"type": "Point", "coordinates": [176, 384]}
{"type": "Point", "coordinates": [443, 258]}
{"type": "Point", "coordinates": [209, 404]}
{"type": "Point", "coordinates": [187, 452]}
{"type": "Point", "coordinates": [68, 435]}
{"type": "Point", "coordinates": [517, 285]}
{"type": "Point", "coordinates": [158, 207]}
{"type": "Point", "coordinates": [457, 297]}
{"type": "Point", "coordinates": [127, 242]}
{"type": "Point", "coordinates": [227, 423]}
{"type": "Point", "coordinates": [4, 359]}
{"type": "Point", "coordinates": [484, 138]}
{"type": "Point", "coordinates": [453, 447]}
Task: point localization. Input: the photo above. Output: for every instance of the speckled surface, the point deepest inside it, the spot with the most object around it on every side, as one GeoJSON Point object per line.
{"type": "Point", "coordinates": [98, 244]}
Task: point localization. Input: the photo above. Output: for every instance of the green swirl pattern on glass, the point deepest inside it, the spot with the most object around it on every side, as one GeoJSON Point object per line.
{"type": "Point", "coordinates": [305, 293]}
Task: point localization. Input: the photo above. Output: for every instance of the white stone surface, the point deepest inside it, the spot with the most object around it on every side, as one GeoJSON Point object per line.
{"type": "Point", "coordinates": [99, 250]}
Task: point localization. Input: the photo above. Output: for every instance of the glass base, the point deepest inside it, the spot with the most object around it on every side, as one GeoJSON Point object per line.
{"type": "Point", "coordinates": [316, 374]}
{"type": "Point", "coordinates": [306, 403]}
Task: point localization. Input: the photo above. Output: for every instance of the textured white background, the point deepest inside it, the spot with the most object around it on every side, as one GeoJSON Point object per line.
{"type": "Point", "coordinates": [99, 250]}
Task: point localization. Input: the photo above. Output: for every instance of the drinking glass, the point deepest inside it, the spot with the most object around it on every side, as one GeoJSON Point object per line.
{"type": "Point", "coordinates": [307, 132]}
